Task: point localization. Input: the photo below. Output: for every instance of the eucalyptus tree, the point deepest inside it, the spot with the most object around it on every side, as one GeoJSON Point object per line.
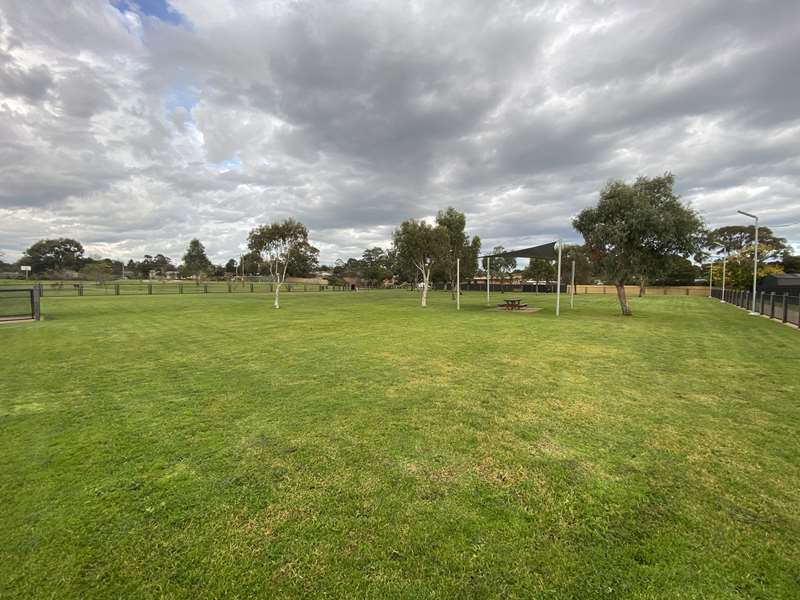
{"type": "Point", "coordinates": [637, 227]}
{"type": "Point", "coordinates": [277, 244]}
{"type": "Point", "coordinates": [461, 250]}
{"type": "Point", "coordinates": [420, 247]}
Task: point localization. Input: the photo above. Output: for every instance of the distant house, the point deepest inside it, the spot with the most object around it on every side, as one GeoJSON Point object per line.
{"type": "Point", "coordinates": [515, 279]}
{"type": "Point", "coordinates": [785, 283]}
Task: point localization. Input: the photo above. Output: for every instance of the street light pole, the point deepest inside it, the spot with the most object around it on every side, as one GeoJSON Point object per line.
{"type": "Point", "coordinates": [755, 259]}
{"type": "Point", "coordinates": [724, 260]}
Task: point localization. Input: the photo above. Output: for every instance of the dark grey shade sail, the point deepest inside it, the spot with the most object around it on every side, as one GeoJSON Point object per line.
{"type": "Point", "coordinates": [547, 251]}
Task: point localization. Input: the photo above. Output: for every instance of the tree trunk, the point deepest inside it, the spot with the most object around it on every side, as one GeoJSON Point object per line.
{"type": "Point", "coordinates": [277, 304]}
{"type": "Point", "coordinates": [424, 303]}
{"type": "Point", "coordinates": [642, 286]}
{"type": "Point", "coordinates": [623, 300]}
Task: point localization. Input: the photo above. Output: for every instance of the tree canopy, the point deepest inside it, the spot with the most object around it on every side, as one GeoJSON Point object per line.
{"type": "Point", "coordinates": [195, 261]}
{"type": "Point", "coordinates": [420, 247]}
{"type": "Point", "coordinates": [280, 244]}
{"type": "Point", "coordinates": [54, 255]}
{"type": "Point", "coordinates": [635, 228]}
{"type": "Point", "coordinates": [459, 246]}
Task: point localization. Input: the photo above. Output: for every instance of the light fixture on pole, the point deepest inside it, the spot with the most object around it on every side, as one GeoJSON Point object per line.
{"type": "Point", "coordinates": [755, 259]}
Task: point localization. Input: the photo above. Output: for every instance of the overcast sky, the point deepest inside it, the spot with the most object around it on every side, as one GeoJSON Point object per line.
{"type": "Point", "coordinates": [134, 126]}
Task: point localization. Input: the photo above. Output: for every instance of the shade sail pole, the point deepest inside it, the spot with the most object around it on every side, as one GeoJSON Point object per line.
{"type": "Point", "coordinates": [572, 287]}
{"type": "Point", "coordinates": [558, 284]}
{"type": "Point", "coordinates": [458, 284]}
{"type": "Point", "coordinates": [488, 265]}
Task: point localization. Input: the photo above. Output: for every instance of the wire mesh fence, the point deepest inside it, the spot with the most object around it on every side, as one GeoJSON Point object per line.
{"type": "Point", "coordinates": [782, 307]}
{"type": "Point", "coordinates": [61, 289]}
{"type": "Point", "coordinates": [19, 303]}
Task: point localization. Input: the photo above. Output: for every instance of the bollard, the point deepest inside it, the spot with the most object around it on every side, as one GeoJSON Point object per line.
{"type": "Point", "coordinates": [149, 289]}
{"type": "Point", "coordinates": [180, 288]}
{"type": "Point", "coordinates": [205, 288]}
{"type": "Point", "coordinates": [229, 288]}
{"type": "Point", "coordinates": [252, 288]}
{"type": "Point", "coordinates": [116, 289]}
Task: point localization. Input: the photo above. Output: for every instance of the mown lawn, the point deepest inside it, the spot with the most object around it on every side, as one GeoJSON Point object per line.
{"type": "Point", "coordinates": [355, 445]}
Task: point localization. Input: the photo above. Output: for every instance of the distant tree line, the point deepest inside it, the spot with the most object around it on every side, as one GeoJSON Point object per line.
{"type": "Point", "coordinates": [638, 233]}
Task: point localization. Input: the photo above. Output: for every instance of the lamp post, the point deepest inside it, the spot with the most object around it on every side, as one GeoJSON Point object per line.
{"type": "Point", "coordinates": [755, 259]}
{"type": "Point", "coordinates": [724, 261]}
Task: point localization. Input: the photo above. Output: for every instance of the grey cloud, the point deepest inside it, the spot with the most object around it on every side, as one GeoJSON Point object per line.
{"type": "Point", "coordinates": [33, 84]}
{"type": "Point", "coordinates": [354, 116]}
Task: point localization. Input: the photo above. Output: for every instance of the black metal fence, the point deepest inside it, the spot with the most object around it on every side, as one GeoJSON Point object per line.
{"type": "Point", "coordinates": [783, 307]}
{"type": "Point", "coordinates": [541, 288]}
{"type": "Point", "coordinates": [19, 303]}
{"type": "Point", "coordinates": [161, 288]}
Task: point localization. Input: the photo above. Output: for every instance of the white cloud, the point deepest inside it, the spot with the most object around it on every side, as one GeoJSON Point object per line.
{"type": "Point", "coordinates": [134, 135]}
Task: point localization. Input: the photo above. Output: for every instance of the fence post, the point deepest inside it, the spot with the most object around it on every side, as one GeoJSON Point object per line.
{"type": "Point", "coordinates": [116, 289]}
{"type": "Point", "coordinates": [772, 305]}
{"type": "Point", "coordinates": [35, 300]}
{"type": "Point", "coordinates": [180, 288]}
{"type": "Point", "coordinates": [785, 307]}
{"type": "Point", "coordinates": [252, 288]}
{"type": "Point", "coordinates": [229, 287]}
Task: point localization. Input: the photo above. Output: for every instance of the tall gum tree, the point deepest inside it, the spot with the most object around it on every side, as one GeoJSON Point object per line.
{"type": "Point", "coordinates": [459, 247]}
{"type": "Point", "coordinates": [635, 228]}
{"type": "Point", "coordinates": [278, 243]}
{"type": "Point", "coordinates": [195, 260]}
{"type": "Point", "coordinates": [420, 247]}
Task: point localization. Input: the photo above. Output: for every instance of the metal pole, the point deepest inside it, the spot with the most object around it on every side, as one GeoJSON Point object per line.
{"type": "Point", "coordinates": [572, 287]}
{"type": "Point", "coordinates": [488, 266]}
{"type": "Point", "coordinates": [755, 267]}
{"type": "Point", "coordinates": [558, 283]}
{"type": "Point", "coordinates": [755, 259]}
{"type": "Point", "coordinates": [724, 260]}
{"type": "Point", "coordinates": [458, 284]}
{"type": "Point", "coordinates": [710, 278]}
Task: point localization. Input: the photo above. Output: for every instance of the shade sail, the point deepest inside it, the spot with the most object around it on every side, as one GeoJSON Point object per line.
{"type": "Point", "coordinates": [547, 251]}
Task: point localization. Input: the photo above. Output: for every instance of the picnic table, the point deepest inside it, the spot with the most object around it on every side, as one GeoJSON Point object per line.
{"type": "Point", "coordinates": [512, 304]}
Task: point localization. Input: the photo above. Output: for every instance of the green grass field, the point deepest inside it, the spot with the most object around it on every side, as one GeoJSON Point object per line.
{"type": "Point", "coordinates": [355, 445]}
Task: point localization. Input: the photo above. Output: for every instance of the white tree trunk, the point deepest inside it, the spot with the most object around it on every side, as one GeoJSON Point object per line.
{"type": "Point", "coordinates": [425, 277]}
{"type": "Point", "coordinates": [277, 304]}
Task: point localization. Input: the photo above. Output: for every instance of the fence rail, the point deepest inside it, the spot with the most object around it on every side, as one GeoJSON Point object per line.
{"type": "Point", "coordinates": [782, 307]}
{"type": "Point", "coordinates": [159, 288]}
